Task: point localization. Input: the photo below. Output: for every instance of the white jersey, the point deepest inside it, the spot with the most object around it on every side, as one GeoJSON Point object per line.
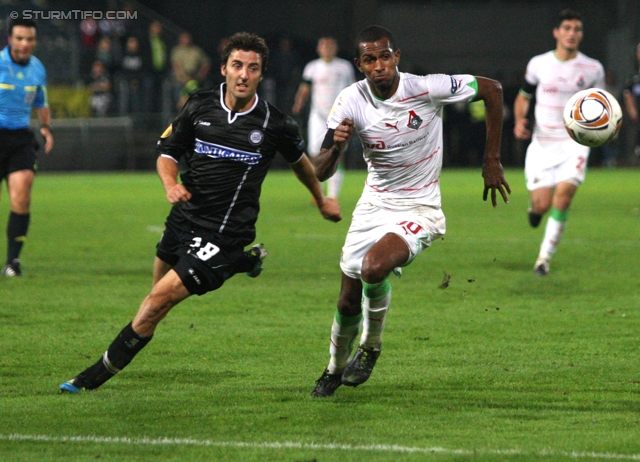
{"type": "Point", "coordinates": [327, 79]}
{"type": "Point", "coordinates": [556, 82]}
{"type": "Point", "coordinates": [402, 136]}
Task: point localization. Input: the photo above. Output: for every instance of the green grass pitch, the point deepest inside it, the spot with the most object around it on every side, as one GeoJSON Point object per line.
{"type": "Point", "coordinates": [499, 365]}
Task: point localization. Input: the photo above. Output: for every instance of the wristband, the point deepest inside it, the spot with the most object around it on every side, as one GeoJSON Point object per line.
{"type": "Point", "coordinates": [45, 126]}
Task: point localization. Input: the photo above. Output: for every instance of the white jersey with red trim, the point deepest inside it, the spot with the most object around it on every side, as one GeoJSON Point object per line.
{"type": "Point", "coordinates": [402, 135]}
{"type": "Point", "coordinates": [556, 81]}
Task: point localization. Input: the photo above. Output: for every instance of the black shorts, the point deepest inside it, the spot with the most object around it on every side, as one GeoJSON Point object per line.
{"type": "Point", "coordinates": [17, 151]}
{"type": "Point", "coordinates": [202, 259]}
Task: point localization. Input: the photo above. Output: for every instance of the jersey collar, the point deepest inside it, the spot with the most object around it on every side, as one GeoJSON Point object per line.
{"type": "Point", "coordinates": [6, 56]}
{"type": "Point", "coordinates": [231, 115]}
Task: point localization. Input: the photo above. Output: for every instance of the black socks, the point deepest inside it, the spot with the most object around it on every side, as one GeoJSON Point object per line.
{"type": "Point", "coordinates": [16, 234]}
{"type": "Point", "coordinates": [120, 353]}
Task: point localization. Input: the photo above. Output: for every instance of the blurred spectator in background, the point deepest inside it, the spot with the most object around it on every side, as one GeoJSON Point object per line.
{"type": "Point", "coordinates": [631, 94]}
{"type": "Point", "coordinates": [106, 55]}
{"type": "Point", "coordinates": [134, 85]}
{"type": "Point", "coordinates": [89, 32]}
{"type": "Point", "coordinates": [89, 41]}
{"type": "Point", "coordinates": [111, 28]}
{"type": "Point", "coordinates": [323, 79]}
{"type": "Point", "coordinates": [189, 63]}
{"type": "Point", "coordinates": [187, 90]}
{"type": "Point", "coordinates": [287, 68]}
{"type": "Point", "coordinates": [158, 57]}
{"type": "Point", "coordinates": [100, 86]}
{"type": "Point", "coordinates": [217, 77]}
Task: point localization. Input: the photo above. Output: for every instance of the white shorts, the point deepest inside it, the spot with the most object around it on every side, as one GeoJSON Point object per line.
{"type": "Point", "coordinates": [316, 131]}
{"type": "Point", "coordinates": [417, 226]}
{"type": "Point", "coordinates": [541, 171]}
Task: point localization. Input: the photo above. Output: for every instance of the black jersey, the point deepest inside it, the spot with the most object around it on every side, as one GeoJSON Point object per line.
{"type": "Point", "coordinates": [227, 155]}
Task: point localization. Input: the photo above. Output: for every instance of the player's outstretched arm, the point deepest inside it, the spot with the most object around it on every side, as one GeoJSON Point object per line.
{"type": "Point", "coordinates": [330, 209]}
{"type": "Point", "coordinates": [334, 145]}
{"type": "Point", "coordinates": [490, 91]}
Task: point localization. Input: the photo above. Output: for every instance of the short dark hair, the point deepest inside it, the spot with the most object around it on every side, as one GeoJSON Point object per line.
{"type": "Point", "coordinates": [11, 23]}
{"type": "Point", "coordinates": [568, 15]}
{"type": "Point", "coordinates": [373, 34]}
{"type": "Point", "coordinates": [246, 41]}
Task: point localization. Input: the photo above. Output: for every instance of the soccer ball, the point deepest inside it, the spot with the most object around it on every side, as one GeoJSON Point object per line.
{"type": "Point", "coordinates": [592, 117]}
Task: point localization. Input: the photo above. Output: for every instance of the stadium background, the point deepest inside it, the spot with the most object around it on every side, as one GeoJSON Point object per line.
{"type": "Point", "coordinates": [485, 37]}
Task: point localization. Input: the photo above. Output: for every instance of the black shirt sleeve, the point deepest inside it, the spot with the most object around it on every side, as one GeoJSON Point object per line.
{"type": "Point", "coordinates": [179, 137]}
{"type": "Point", "coordinates": [528, 88]}
{"type": "Point", "coordinates": [290, 144]}
{"type": "Point", "coordinates": [327, 142]}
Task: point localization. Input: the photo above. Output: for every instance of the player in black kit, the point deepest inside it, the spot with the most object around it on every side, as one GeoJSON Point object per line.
{"type": "Point", "coordinates": [228, 138]}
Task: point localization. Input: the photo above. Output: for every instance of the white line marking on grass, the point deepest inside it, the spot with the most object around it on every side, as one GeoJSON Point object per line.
{"type": "Point", "coordinates": [326, 447]}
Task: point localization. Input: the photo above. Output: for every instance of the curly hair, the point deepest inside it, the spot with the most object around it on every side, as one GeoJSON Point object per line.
{"type": "Point", "coordinates": [246, 41]}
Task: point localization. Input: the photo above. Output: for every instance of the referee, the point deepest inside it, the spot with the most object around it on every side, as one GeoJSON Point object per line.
{"type": "Point", "coordinates": [22, 86]}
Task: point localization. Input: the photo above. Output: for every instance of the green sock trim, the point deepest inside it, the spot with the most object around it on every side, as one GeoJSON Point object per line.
{"type": "Point", "coordinates": [347, 321]}
{"type": "Point", "coordinates": [559, 215]}
{"type": "Point", "coordinates": [378, 290]}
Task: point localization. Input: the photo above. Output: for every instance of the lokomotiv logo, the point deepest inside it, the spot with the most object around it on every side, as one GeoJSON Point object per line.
{"type": "Point", "coordinates": [377, 145]}
{"type": "Point", "coordinates": [414, 120]}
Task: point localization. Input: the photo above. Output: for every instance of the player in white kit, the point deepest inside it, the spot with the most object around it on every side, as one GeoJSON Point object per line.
{"type": "Point", "coordinates": [323, 79]}
{"type": "Point", "coordinates": [555, 165]}
{"type": "Point", "coordinates": [398, 117]}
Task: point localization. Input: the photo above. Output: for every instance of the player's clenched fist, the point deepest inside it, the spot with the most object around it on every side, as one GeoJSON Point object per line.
{"type": "Point", "coordinates": [177, 194]}
{"type": "Point", "coordinates": [343, 133]}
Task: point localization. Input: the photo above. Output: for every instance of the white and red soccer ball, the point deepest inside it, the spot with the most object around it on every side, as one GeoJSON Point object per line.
{"type": "Point", "coordinates": [592, 117]}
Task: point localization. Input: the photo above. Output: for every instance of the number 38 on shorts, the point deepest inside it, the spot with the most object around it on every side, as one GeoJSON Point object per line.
{"type": "Point", "coordinates": [203, 252]}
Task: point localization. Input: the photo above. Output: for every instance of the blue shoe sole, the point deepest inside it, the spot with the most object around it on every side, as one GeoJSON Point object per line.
{"type": "Point", "coordinates": [69, 388]}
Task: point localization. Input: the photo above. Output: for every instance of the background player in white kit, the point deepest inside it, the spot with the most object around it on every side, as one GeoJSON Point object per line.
{"type": "Point", "coordinates": [323, 79]}
{"type": "Point", "coordinates": [398, 117]}
{"type": "Point", "coordinates": [555, 165]}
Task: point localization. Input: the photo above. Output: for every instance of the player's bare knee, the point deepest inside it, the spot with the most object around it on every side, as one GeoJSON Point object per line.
{"type": "Point", "coordinates": [20, 204]}
{"type": "Point", "coordinates": [155, 307]}
{"type": "Point", "coordinates": [374, 270]}
{"type": "Point", "coordinates": [540, 206]}
{"type": "Point", "coordinates": [562, 202]}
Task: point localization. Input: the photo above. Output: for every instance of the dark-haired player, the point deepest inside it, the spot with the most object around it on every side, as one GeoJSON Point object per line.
{"type": "Point", "coordinates": [22, 87]}
{"type": "Point", "coordinates": [228, 138]}
{"type": "Point", "coordinates": [398, 117]}
{"type": "Point", "coordinates": [555, 165]}
{"type": "Point", "coordinates": [323, 79]}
